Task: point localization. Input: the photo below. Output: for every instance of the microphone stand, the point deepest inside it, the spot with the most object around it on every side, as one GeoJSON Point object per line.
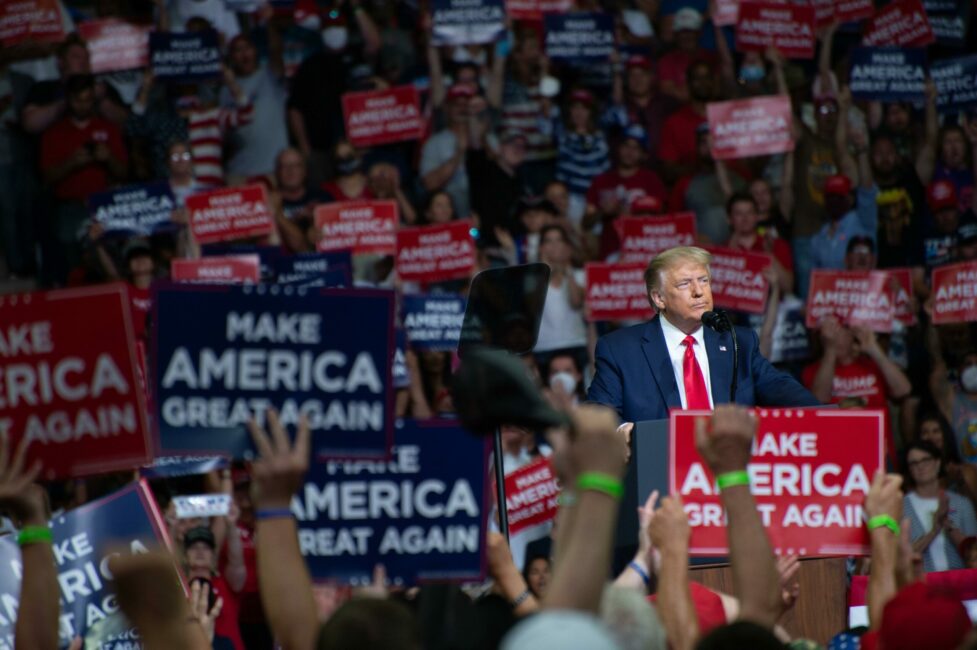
{"type": "Point", "coordinates": [720, 322]}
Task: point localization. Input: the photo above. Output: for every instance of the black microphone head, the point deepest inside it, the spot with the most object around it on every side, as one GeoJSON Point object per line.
{"type": "Point", "coordinates": [714, 321]}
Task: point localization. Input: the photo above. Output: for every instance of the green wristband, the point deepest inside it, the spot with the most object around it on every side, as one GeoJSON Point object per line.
{"type": "Point", "coordinates": [600, 482]}
{"type": "Point", "coordinates": [884, 521]}
{"type": "Point", "coordinates": [34, 535]}
{"type": "Point", "coordinates": [732, 479]}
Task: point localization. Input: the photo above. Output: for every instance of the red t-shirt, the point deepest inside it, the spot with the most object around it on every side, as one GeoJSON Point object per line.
{"type": "Point", "coordinates": [227, 623]}
{"type": "Point", "coordinates": [678, 136]}
{"type": "Point", "coordinates": [626, 189]}
{"type": "Point", "coordinates": [339, 195]}
{"type": "Point", "coordinates": [673, 66]}
{"type": "Point", "coordinates": [249, 600]}
{"type": "Point", "coordinates": [781, 251]}
{"type": "Point", "coordinates": [64, 138]}
{"type": "Point", "coordinates": [141, 303]}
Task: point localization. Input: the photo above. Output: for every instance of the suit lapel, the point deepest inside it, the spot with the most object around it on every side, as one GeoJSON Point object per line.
{"type": "Point", "coordinates": [720, 365]}
{"type": "Point", "coordinates": [656, 352]}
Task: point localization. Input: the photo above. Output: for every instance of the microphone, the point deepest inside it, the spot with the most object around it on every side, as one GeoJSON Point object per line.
{"type": "Point", "coordinates": [719, 322]}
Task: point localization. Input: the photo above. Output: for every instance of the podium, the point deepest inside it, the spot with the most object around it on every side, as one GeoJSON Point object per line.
{"type": "Point", "coordinates": [821, 608]}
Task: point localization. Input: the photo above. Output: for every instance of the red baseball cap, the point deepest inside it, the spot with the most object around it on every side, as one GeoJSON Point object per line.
{"type": "Point", "coordinates": [638, 61]}
{"type": "Point", "coordinates": [941, 195]}
{"type": "Point", "coordinates": [922, 616]}
{"type": "Point", "coordinates": [837, 184]}
{"type": "Point", "coordinates": [583, 96]}
{"type": "Point", "coordinates": [646, 205]}
{"type": "Point", "coordinates": [461, 91]}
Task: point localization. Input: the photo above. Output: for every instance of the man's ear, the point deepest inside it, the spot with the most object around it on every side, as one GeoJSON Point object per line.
{"type": "Point", "coordinates": [654, 297]}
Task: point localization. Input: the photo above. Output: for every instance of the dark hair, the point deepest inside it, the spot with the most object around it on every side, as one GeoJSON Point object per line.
{"type": "Point", "coordinates": [528, 565]}
{"type": "Point", "coordinates": [70, 41]}
{"type": "Point", "coordinates": [77, 83]}
{"type": "Point", "coordinates": [925, 447]}
{"type": "Point", "coordinates": [370, 624]}
{"type": "Point", "coordinates": [430, 201]}
{"type": "Point", "coordinates": [558, 228]}
{"type": "Point", "coordinates": [740, 197]}
{"type": "Point", "coordinates": [947, 128]}
{"type": "Point", "coordinates": [741, 634]}
{"type": "Point", "coordinates": [950, 451]}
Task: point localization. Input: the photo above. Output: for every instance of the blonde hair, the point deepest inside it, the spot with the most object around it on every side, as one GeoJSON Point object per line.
{"type": "Point", "coordinates": [670, 258]}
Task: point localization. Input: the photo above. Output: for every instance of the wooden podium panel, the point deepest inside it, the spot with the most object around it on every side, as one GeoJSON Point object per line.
{"type": "Point", "coordinates": [822, 607]}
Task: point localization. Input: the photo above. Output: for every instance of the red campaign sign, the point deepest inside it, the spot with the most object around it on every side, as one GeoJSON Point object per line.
{"type": "Point", "coordinates": [857, 298]}
{"type": "Point", "coordinates": [383, 116]}
{"type": "Point", "coordinates": [737, 279]}
{"type": "Point", "coordinates": [71, 384]}
{"type": "Point", "coordinates": [901, 281]}
{"type": "Point", "coordinates": [617, 292]}
{"type": "Point", "coordinates": [37, 21]}
{"type": "Point", "coordinates": [358, 226]}
{"type": "Point", "coordinates": [230, 214]}
{"type": "Point", "coordinates": [535, 9]}
{"type": "Point", "coordinates": [842, 11]}
{"type": "Point", "coordinates": [644, 237]}
{"type": "Point", "coordinates": [531, 495]}
{"type": "Point", "coordinates": [228, 269]}
{"type": "Point", "coordinates": [435, 253]}
{"type": "Point", "coordinates": [744, 128]}
{"type": "Point", "coordinates": [788, 27]}
{"type": "Point", "coordinates": [727, 12]}
{"type": "Point", "coordinates": [114, 44]}
{"type": "Point", "coordinates": [902, 23]}
{"type": "Point", "coordinates": [809, 473]}
{"type": "Point", "coordinates": [955, 291]}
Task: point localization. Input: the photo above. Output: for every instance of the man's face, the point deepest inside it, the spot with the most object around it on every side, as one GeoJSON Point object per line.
{"type": "Point", "coordinates": [687, 40]}
{"type": "Point", "coordinates": [639, 81]}
{"type": "Point", "coordinates": [244, 57]}
{"type": "Point", "coordinates": [684, 293]}
{"type": "Point", "coordinates": [967, 252]}
{"type": "Point", "coordinates": [743, 218]}
{"type": "Point", "coordinates": [76, 61]}
{"type": "Point", "coordinates": [702, 83]}
{"type": "Point", "coordinates": [81, 105]}
{"type": "Point", "coordinates": [553, 248]}
{"type": "Point", "coordinates": [534, 220]}
{"type": "Point", "coordinates": [513, 152]}
{"type": "Point", "coordinates": [180, 162]}
{"type": "Point", "coordinates": [885, 158]}
{"type": "Point", "coordinates": [456, 110]}
{"type": "Point", "coordinates": [200, 556]}
{"type": "Point", "coordinates": [141, 265]}
{"type": "Point", "coordinates": [291, 170]}
{"type": "Point", "coordinates": [837, 205]}
{"type": "Point", "coordinates": [946, 220]}
{"type": "Point", "coordinates": [897, 118]}
{"type": "Point", "coordinates": [826, 117]}
{"type": "Point", "coordinates": [629, 153]}
{"type": "Point", "coordinates": [860, 258]}
{"type": "Point", "coordinates": [953, 149]}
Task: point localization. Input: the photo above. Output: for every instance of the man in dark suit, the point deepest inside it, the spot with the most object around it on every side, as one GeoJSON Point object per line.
{"type": "Point", "coordinates": [673, 361]}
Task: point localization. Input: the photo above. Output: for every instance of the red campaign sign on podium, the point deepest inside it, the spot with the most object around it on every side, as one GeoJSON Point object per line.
{"type": "Point", "coordinates": [788, 27]}
{"type": "Point", "coordinates": [435, 253]}
{"type": "Point", "coordinates": [955, 291]}
{"type": "Point", "coordinates": [71, 380]}
{"type": "Point", "coordinates": [229, 214]}
{"type": "Point", "coordinates": [115, 45]}
{"type": "Point", "coordinates": [856, 298]}
{"type": "Point", "coordinates": [902, 23]}
{"type": "Point", "coordinates": [644, 237]}
{"type": "Point", "coordinates": [737, 279]}
{"type": "Point", "coordinates": [744, 128]}
{"type": "Point", "coordinates": [383, 116]}
{"type": "Point", "coordinates": [531, 495]}
{"type": "Point", "coordinates": [535, 9]}
{"type": "Point", "coordinates": [358, 226]}
{"type": "Point", "coordinates": [809, 473]}
{"type": "Point", "coordinates": [227, 269]}
{"type": "Point", "coordinates": [617, 292]}
{"type": "Point", "coordinates": [37, 21]}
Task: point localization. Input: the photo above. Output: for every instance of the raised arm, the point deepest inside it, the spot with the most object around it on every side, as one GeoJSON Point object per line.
{"type": "Point", "coordinates": [670, 533]}
{"type": "Point", "coordinates": [895, 379]}
{"type": "Point", "coordinates": [926, 158]}
{"type": "Point", "coordinates": [882, 504]}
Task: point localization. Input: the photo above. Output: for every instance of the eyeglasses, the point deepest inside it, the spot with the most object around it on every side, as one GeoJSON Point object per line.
{"type": "Point", "coordinates": [185, 157]}
{"type": "Point", "coordinates": [917, 463]}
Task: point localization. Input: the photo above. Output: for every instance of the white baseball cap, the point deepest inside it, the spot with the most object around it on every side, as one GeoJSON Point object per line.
{"type": "Point", "coordinates": [686, 18]}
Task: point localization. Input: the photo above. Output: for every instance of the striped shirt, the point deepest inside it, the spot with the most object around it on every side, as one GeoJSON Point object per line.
{"type": "Point", "coordinates": [205, 130]}
{"type": "Point", "coordinates": [579, 158]}
{"type": "Point", "coordinates": [520, 112]}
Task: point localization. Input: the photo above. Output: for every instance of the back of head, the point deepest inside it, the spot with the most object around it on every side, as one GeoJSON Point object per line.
{"type": "Point", "coordinates": [632, 620]}
{"type": "Point", "coordinates": [741, 634]}
{"type": "Point", "coordinates": [370, 624]}
{"type": "Point", "coordinates": [923, 616]}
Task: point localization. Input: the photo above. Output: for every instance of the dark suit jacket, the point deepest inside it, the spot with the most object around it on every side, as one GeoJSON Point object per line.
{"type": "Point", "coordinates": [634, 373]}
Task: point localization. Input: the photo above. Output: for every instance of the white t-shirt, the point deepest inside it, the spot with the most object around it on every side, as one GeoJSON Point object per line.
{"type": "Point", "coordinates": [926, 509]}
{"type": "Point", "coordinates": [562, 326]}
{"type": "Point", "coordinates": [213, 11]}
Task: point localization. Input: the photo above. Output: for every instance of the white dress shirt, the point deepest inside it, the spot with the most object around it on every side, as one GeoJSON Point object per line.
{"type": "Point", "coordinates": [676, 352]}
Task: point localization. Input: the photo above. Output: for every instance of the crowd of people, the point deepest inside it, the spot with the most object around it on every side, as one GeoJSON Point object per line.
{"type": "Point", "coordinates": [542, 157]}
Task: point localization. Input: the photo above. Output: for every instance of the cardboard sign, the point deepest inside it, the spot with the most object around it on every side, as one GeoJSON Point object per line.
{"type": "Point", "coordinates": [84, 539]}
{"type": "Point", "coordinates": [229, 269]}
{"type": "Point", "coordinates": [956, 83]}
{"type": "Point", "coordinates": [269, 256]}
{"type": "Point", "coordinates": [383, 116]}
{"type": "Point", "coordinates": [36, 21]}
{"type": "Point", "coordinates": [435, 253]}
{"type": "Point", "coordinates": [134, 210]}
{"type": "Point", "coordinates": [644, 237]}
{"type": "Point", "coordinates": [845, 11]}
{"type": "Point", "coordinates": [788, 27]}
{"type": "Point", "coordinates": [744, 128]}
{"type": "Point", "coordinates": [950, 20]}
{"type": "Point", "coordinates": [335, 279]}
{"type": "Point", "coordinates": [790, 339]}
{"type": "Point", "coordinates": [534, 10]}
{"type": "Point", "coordinates": [467, 22]}
{"type": "Point", "coordinates": [579, 37]}
{"type": "Point", "coordinates": [225, 354]}
{"type": "Point", "coordinates": [531, 495]}
{"type": "Point", "coordinates": [888, 74]}
{"type": "Point", "coordinates": [901, 281]}
{"type": "Point", "coordinates": [202, 505]}
{"type": "Point", "coordinates": [809, 474]}
{"type": "Point", "coordinates": [360, 227]}
{"type": "Point", "coordinates": [190, 56]}
{"type": "Point", "coordinates": [183, 465]}
{"type": "Point", "coordinates": [230, 214]}
{"type": "Point", "coordinates": [115, 45]}
{"type": "Point", "coordinates": [616, 292]}
{"type": "Point", "coordinates": [70, 379]}
{"type": "Point", "coordinates": [902, 23]}
{"type": "Point", "coordinates": [737, 279]}
{"type": "Point", "coordinates": [955, 291]}
{"type": "Point", "coordinates": [433, 323]}
{"type": "Point", "coordinates": [960, 582]}
{"type": "Point", "coordinates": [856, 298]}
{"type": "Point", "coordinates": [727, 12]}
{"type": "Point", "coordinates": [422, 514]}
{"type": "Point", "coordinates": [306, 266]}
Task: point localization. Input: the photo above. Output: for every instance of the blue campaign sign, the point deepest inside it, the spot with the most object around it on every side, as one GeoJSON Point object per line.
{"type": "Point", "coordinates": [226, 354]}
{"type": "Point", "coordinates": [888, 74]}
{"type": "Point", "coordinates": [421, 514]}
{"type": "Point", "coordinates": [184, 465]}
{"type": "Point", "coordinates": [956, 83]}
{"type": "Point", "coordinates": [433, 322]}
{"type": "Point", "coordinates": [83, 540]}
{"type": "Point", "coordinates": [579, 37]}
{"type": "Point", "coordinates": [464, 22]}
{"type": "Point", "coordinates": [336, 278]}
{"type": "Point", "coordinates": [269, 256]}
{"type": "Point", "coordinates": [134, 210]}
{"type": "Point", "coordinates": [189, 56]}
{"type": "Point", "coordinates": [949, 19]}
{"type": "Point", "coordinates": [289, 268]}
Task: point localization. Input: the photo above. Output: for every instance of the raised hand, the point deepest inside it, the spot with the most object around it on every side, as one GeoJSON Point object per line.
{"type": "Point", "coordinates": [724, 440]}
{"type": "Point", "coordinates": [281, 466]}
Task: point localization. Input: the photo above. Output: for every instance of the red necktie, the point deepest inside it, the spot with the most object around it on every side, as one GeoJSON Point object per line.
{"type": "Point", "coordinates": [696, 395]}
